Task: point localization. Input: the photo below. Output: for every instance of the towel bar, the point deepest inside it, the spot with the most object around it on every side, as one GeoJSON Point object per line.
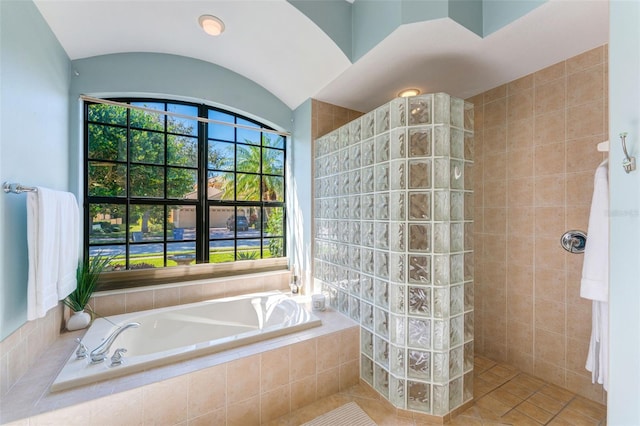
{"type": "Point", "coordinates": [16, 188]}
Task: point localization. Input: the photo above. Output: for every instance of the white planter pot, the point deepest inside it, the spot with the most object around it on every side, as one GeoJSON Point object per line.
{"type": "Point", "coordinates": [78, 320]}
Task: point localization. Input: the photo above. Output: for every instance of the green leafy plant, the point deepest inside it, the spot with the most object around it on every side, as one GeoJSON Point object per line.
{"type": "Point", "coordinates": [274, 227]}
{"type": "Point", "coordinates": [87, 276]}
{"type": "Point", "coordinates": [247, 255]}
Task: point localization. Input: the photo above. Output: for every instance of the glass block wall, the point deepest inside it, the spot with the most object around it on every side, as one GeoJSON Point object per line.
{"type": "Point", "coordinates": [393, 246]}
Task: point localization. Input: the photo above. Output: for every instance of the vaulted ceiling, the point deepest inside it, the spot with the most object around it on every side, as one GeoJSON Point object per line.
{"type": "Point", "coordinates": [276, 45]}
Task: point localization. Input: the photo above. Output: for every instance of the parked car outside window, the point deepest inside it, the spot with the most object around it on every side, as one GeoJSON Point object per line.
{"type": "Point", "coordinates": [242, 223]}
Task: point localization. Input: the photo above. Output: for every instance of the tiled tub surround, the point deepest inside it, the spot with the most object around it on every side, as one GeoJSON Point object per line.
{"type": "Point", "coordinates": [117, 302]}
{"type": "Point", "coordinates": [166, 335]}
{"type": "Point", "coordinates": [245, 386]}
{"type": "Point", "coordinates": [24, 347]}
{"type": "Point", "coordinates": [393, 207]}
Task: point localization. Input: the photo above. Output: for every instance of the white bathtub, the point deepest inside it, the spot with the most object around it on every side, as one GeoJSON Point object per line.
{"type": "Point", "coordinates": [181, 332]}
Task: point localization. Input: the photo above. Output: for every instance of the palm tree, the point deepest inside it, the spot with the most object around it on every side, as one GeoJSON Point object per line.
{"type": "Point", "coordinates": [250, 161]}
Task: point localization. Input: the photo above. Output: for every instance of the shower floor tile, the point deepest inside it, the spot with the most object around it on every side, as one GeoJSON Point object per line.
{"type": "Point", "coordinates": [503, 396]}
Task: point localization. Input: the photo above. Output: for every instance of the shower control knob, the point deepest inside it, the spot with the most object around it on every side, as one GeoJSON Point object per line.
{"type": "Point", "coordinates": [574, 241]}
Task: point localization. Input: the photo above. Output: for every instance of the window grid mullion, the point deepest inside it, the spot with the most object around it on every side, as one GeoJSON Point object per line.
{"type": "Point", "coordinates": [202, 224]}
{"type": "Point", "coordinates": [128, 235]}
{"type": "Point", "coordinates": [165, 186]}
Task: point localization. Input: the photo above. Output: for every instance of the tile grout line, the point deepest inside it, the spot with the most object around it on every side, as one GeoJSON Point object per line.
{"type": "Point", "coordinates": [563, 408]}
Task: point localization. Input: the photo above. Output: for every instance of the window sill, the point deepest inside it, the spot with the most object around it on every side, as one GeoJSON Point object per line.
{"type": "Point", "coordinates": [147, 277]}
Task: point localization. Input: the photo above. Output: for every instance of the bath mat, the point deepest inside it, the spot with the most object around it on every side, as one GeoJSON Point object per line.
{"type": "Point", "coordinates": [347, 415]}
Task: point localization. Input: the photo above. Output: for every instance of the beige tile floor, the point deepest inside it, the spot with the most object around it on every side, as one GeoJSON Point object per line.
{"type": "Point", "coordinates": [503, 396]}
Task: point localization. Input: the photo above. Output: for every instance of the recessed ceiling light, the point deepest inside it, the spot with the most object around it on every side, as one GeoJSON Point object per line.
{"type": "Point", "coordinates": [409, 92]}
{"type": "Point", "coordinates": [211, 25]}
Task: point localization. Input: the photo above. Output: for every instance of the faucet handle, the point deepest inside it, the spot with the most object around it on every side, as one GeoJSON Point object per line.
{"type": "Point", "coordinates": [116, 358]}
{"type": "Point", "coordinates": [82, 352]}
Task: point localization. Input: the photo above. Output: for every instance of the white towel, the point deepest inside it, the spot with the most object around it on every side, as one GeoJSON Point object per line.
{"type": "Point", "coordinates": [598, 356]}
{"type": "Point", "coordinates": [595, 276]}
{"type": "Point", "coordinates": [69, 243]}
{"type": "Point", "coordinates": [595, 269]}
{"type": "Point", "coordinates": [53, 229]}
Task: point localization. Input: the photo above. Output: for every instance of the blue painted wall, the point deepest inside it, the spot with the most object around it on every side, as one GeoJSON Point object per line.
{"type": "Point", "coordinates": [162, 74]}
{"type": "Point", "coordinates": [624, 255]}
{"type": "Point", "coordinates": [420, 10]}
{"type": "Point", "coordinates": [373, 21]}
{"type": "Point", "coordinates": [34, 139]}
{"type": "Point", "coordinates": [333, 17]}
{"type": "Point", "coordinates": [498, 13]}
{"type": "Point", "coordinates": [300, 196]}
{"type": "Point", "coordinates": [357, 28]}
{"type": "Point", "coordinates": [469, 13]}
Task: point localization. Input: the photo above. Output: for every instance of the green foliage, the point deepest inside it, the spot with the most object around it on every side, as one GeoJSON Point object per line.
{"type": "Point", "coordinates": [87, 276]}
{"type": "Point", "coordinates": [248, 186]}
{"type": "Point", "coordinates": [247, 255]}
{"type": "Point", "coordinates": [146, 216]}
{"type": "Point", "coordinates": [274, 227]}
{"type": "Point", "coordinates": [108, 145]}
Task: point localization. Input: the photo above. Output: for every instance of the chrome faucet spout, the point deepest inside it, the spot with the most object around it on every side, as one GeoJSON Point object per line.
{"type": "Point", "coordinates": [100, 353]}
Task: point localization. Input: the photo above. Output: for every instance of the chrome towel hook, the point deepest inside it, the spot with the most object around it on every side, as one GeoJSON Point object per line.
{"type": "Point", "coordinates": [629, 163]}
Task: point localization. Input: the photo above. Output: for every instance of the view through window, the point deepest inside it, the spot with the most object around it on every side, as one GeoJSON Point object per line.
{"type": "Point", "coordinates": [163, 190]}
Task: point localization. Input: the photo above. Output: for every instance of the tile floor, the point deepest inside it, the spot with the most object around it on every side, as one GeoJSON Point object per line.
{"type": "Point", "coordinates": [503, 396]}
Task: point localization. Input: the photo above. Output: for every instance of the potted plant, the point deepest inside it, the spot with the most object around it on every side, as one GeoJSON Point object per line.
{"type": "Point", "coordinates": [87, 276]}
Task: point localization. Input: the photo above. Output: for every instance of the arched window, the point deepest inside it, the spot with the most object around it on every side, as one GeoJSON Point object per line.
{"type": "Point", "coordinates": [163, 189]}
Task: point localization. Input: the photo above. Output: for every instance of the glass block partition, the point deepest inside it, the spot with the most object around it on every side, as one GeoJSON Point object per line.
{"type": "Point", "coordinates": [393, 248]}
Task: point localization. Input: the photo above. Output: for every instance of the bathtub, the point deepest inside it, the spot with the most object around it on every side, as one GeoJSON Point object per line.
{"type": "Point", "coordinates": [178, 333]}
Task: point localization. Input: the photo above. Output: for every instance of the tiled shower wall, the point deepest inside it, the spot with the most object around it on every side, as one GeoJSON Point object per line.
{"type": "Point", "coordinates": [327, 117]}
{"type": "Point", "coordinates": [393, 249]}
{"type": "Point", "coordinates": [535, 160]}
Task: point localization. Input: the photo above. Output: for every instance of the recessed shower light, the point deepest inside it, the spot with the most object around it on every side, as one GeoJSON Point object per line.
{"type": "Point", "coordinates": [409, 92]}
{"type": "Point", "coordinates": [211, 25]}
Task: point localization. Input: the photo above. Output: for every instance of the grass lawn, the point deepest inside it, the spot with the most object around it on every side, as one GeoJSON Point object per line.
{"type": "Point", "coordinates": [156, 260]}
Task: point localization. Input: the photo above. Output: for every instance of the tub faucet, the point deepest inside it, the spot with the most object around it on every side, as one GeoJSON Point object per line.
{"type": "Point", "coordinates": [100, 353]}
